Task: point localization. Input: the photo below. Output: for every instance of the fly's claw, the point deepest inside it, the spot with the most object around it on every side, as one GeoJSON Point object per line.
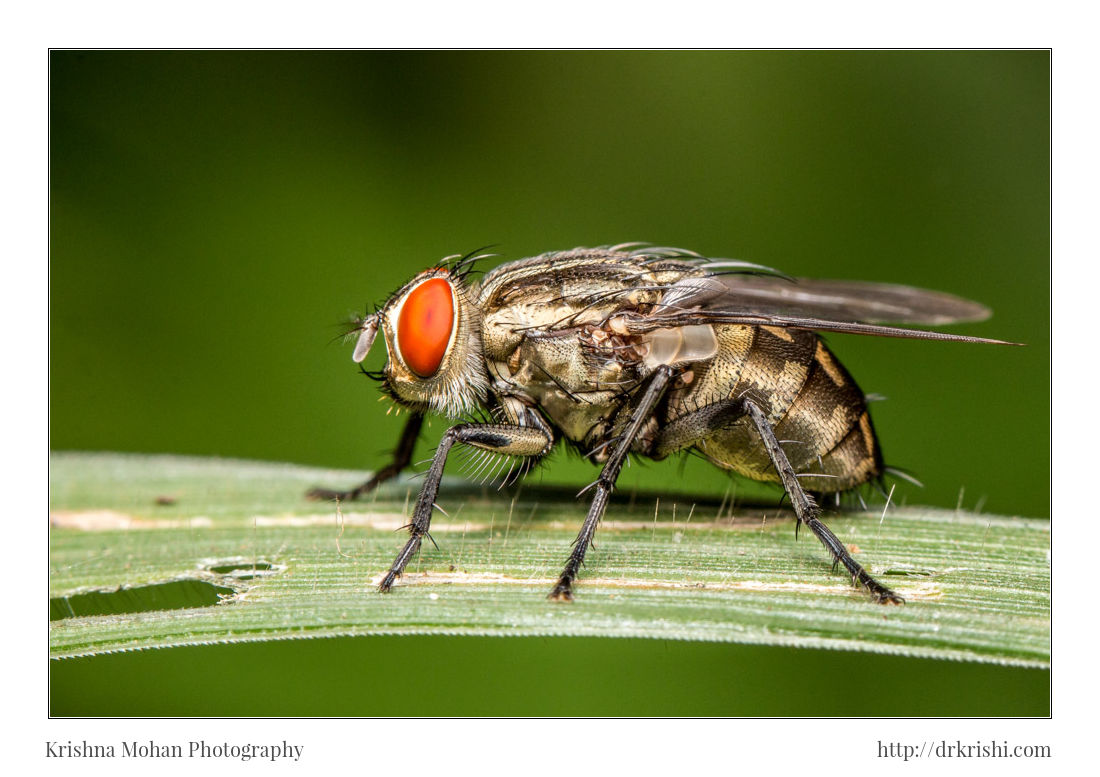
{"type": "Point", "coordinates": [563, 592]}
{"type": "Point", "coordinates": [326, 495]}
{"type": "Point", "coordinates": [883, 595]}
{"type": "Point", "coordinates": [386, 586]}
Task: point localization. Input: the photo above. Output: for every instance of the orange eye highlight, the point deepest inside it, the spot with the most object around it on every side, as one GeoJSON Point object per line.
{"type": "Point", "coordinates": [424, 326]}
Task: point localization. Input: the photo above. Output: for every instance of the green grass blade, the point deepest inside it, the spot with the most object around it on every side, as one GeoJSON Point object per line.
{"type": "Point", "coordinates": [151, 541]}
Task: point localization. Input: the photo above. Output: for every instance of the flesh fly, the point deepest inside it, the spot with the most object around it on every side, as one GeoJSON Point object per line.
{"type": "Point", "coordinates": [642, 351]}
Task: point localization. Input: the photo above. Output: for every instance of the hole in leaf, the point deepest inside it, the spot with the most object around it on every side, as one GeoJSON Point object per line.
{"type": "Point", "coordinates": [910, 572]}
{"type": "Point", "coordinates": [245, 570]}
{"type": "Point", "coordinates": [176, 595]}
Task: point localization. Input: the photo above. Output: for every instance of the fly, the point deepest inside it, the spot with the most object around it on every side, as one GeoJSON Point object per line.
{"type": "Point", "coordinates": [645, 351]}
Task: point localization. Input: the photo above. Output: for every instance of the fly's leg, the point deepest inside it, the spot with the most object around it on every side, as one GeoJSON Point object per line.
{"type": "Point", "coordinates": [504, 439]}
{"type": "Point", "coordinates": [563, 591]}
{"type": "Point", "coordinates": [402, 455]}
{"type": "Point", "coordinates": [807, 511]}
{"type": "Point", "coordinates": [694, 428]}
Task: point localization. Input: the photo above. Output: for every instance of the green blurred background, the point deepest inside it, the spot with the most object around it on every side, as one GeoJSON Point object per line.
{"type": "Point", "coordinates": [214, 215]}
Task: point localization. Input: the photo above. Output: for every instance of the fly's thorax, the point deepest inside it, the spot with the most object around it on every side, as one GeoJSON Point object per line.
{"type": "Point", "coordinates": [574, 387]}
{"type": "Point", "coordinates": [567, 290]}
{"type": "Point", "coordinates": [433, 344]}
{"type": "Point", "coordinates": [558, 328]}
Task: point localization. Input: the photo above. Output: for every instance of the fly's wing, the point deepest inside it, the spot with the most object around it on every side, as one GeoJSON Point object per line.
{"type": "Point", "coordinates": [845, 301]}
{"type": "Point", "coordinates": [853, 307]}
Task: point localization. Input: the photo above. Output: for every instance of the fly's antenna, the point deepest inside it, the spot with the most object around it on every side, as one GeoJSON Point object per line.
{"type": "Point", "coordinates": [368, 330]}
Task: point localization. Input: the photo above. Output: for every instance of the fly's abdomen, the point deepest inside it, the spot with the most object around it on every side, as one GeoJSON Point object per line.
{"type": "Point", "coordinates": [829, 429]}
{"type": "Point", "coordinates": [818, 412]}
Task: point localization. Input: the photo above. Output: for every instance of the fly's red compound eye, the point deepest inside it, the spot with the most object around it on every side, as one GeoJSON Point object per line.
{"type": "Point", "coordinates": [424, 326]}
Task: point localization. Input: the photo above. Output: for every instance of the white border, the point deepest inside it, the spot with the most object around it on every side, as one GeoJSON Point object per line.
{"type": "Point", "coordinates": [557, 747]}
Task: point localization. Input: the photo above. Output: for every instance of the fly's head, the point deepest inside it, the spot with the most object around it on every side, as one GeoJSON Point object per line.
{"type": "Point", "coordinates": [433, 344]}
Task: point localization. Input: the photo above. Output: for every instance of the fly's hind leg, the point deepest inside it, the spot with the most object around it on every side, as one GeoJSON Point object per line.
{"type": "Point", "coordinates": [695, 428]}
{"type": "Point", "coordinates": [807, 511]}
{"type": "Point", "coordinates": [402, 456]}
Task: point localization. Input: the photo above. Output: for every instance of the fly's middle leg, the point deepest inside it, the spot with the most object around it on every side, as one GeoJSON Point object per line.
{"type": "Point", "coordinates": [694, 428]}
{"type": "Point", "coordinates": [563, 590]}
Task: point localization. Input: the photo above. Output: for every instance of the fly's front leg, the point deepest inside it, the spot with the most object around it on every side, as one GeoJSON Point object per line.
{"type": "Point", "coordinates": [505, 439]}
{"type": "Point", "coordinates": [402, 455]}
{"type": "Point", "coordinates": [563, 591]}
{"type": "Point", "coordinates": [694, 428]}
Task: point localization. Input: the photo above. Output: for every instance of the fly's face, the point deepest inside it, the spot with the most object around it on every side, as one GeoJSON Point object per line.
{"type": "Point", "coordinates": [433, 345]}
